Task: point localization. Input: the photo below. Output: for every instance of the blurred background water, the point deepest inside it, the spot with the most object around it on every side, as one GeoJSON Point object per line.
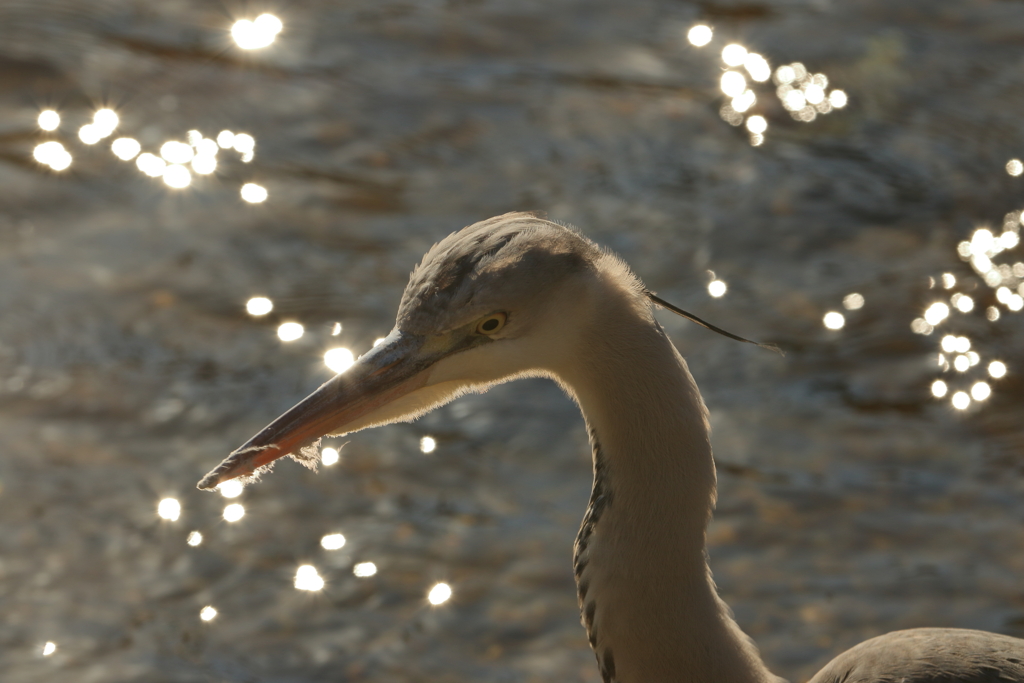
{"type": "Point", "coordinates": [870, 480]}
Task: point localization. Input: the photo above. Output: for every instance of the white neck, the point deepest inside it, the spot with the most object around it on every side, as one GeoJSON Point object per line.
{"type": "Point", "coordinates": [646, 594]}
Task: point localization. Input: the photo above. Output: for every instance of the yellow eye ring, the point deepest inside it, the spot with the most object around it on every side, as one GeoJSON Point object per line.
{"type": "Point", "coordinates": [491, 324]}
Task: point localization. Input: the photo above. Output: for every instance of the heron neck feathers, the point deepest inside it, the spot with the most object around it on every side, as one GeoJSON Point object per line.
{"type": "Point", "coordinates": [646, 595]}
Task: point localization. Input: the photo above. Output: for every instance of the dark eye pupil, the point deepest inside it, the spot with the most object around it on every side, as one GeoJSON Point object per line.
{"type": "Point", "coordinates": [490, 325]}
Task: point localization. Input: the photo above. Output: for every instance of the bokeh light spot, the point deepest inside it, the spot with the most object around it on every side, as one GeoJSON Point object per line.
{"type": "Point", "coordinates": [234, 512]}
{"type": "Point", "coordinates": [333, 542]}
{"type": "Point", "coordinates": [339, 360]}
{"type": "Point", "coordinates": [329, 456]}
{"type": "Point", "coordinates": [757, 124]}
{"type": "Point", "coordinates": [253, 35]}
{"type": "Point", "coordinates": [125, 149]}
{"type": "Point", "coordinates": [259, 305]}
{"type": "Point", "coordinates": [853, 301]}
{"type": "Point", "coordinates": [287, 332]}
{"type": "Point", "coordinates": [253, 193]}
{"type": "Point", "coordinates": [981, 391]}
{"type": "Point", "coordinates": [734, 54]}
{"type": "Point", "coordinates": [834, 320]}
{"type": "Point", "coordinates": [439, 594]}
{"type": "Point", "coordinates": [699, 35]}
{"type": "Point", "coordinates": [177, 176]}
{"type": "Point", "coordinates": [364, 569]}
{"type": "Point", "coordinates": [207, 613]}
{"type": "Point", "coordinates": [169, 509]}
{"type": "Point", "coordinates": [48, 119]}
{"type": "Point", "coordinates": [231, 489]}
{"type": "Point", "coordinates": [428, 444]}
{"type": "Point", "coordinates": [961, 400]}
{"type": "Point", "coordinates": [307, 578]}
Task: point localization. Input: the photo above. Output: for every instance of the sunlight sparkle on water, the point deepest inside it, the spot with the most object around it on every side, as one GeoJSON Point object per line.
{"type": "Point", "coordinates": [997, 369]}
{"type": "Point", "coordinates": [194, 538]}
{"type": "Point", "coordinates": [699, 35]}
{"type": "Point", "coordinates": [853, 301]}
{"type": "Point", "coordinates": [961, 363]}
{"type": "Point", "coordinates": [981, 391]}
{"type": "Point", "coordinates": [439, 594]}
{"type": "Point", "coordinates": [307, 579]}
{"type": "Point", "coordinates": [364, 569]}
{"type": "Point", "coordinates": [936, 313]}
{"type": "Point", "coordinates": [336, 330]}
{"type": "Point", "coordinates": [151, 164]}
{"type": "Point", "coordinates": [48, 119]}
{"type": "Point", "coordinates": [834, 320]}
{"type": "Point", "coordinates": [49, 648]}
{"type": "Point", "coordinates": [837, 98]}
{"type": "Point", "coordinates": [253, 193]}
{"type": "Point", "coordinates": [992, 313]}
{"type": "Point", "coordinates": [333, 542]}
{"type": "Point", "coordinates": [207, 148]}
{"type": "Point", "coordinates": [52, 154]}
{"type": "Point", "coordinates": [794, 100]}
{"type": "Point", "coordinates": [177, 176]}
{"type": "Point", "coordinates": [961, 400]}
{"type": "Point", "coordinates": [814, 94]}
{"type": "Point", "coordinates": [106, 120]}
{"type": "Point", "coordinates": [177, 152]}
{"type": "Point", "coordinates": [243, 143]}
{"type": "Point", "coordinates": [921, 326]}
{"type": "Point", "coordinates": [963, 303]}
{"type": "Point", "coordinates": [329, 456]}
{"type": "Point", "coordinates": [733, 83]}
{"type": "Point", "coordinates": [207, 613]}
{"type": "Point", "coordinates": [287, 332]}
{"type": "Point", "coordinates": [125, 149]}
{"type": "Point", "coordinates": [234, 512]}
{"type": "Point", "coordinates": [948, 280]}
{"type": "Point", "coordinates": [428, 444]}
{"type": "Point", "coordinates": [89, 134]}
{"type": "Point", "coordinates": [757, 67]}
{"type": "Point", "coordinates": [744, 101]}
{"type": "Point", "coordinates": [226, 139]}
{"type": "Point", "coordinates": [204, 164]}
{"type": "Point", "coordinates": [253, 35]}
{"type": "Point", "coordinates": [231, 488]}
{"type": "Point", "coordinates": [717, 288]}
{"type": "Point", "coordinates": [169, 509]}
{"type": "Point", "coordinates": [339, 360]}
{"type": "Point", "coordinates": [734, 54]}
{"type": "Point", "coordinates": [756, 124]}
{"type": "Point", "coordinates": [939, 388]}
{"type": "Point", "coordinates": [259, 305]}
{"type": "Point", "coordinates": [1014, 167]}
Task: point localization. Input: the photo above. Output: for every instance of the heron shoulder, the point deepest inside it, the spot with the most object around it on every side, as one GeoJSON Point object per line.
{"type": "Point", "coordinates": [929, 655]}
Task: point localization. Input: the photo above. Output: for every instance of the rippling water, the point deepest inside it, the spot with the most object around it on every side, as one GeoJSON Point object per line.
{"type": "Point", "coordinates": [203, 219]}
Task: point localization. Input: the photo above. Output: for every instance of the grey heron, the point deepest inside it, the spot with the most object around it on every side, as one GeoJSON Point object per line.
{"type": "Point", "coordinates": [518, 296]}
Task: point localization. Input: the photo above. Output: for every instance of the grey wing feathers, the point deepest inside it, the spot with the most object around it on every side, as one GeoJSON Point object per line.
{"type": "Point", "coordinates": [929, 655]}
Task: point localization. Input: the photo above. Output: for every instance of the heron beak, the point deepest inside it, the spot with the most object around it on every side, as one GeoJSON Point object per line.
{"type": "Point", "coordinates": [390, 370]}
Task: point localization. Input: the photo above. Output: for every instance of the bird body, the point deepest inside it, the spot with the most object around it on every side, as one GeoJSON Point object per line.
{"type": "Point", "coordinates": [520, 296]}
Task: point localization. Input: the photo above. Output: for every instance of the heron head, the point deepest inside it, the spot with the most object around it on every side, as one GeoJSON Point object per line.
{"type": "Point", "coordinates": [504, 298]}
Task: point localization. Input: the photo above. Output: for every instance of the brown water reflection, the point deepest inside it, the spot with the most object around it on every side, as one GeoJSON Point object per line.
{"type": "Point", "coordinates": [868, 481]}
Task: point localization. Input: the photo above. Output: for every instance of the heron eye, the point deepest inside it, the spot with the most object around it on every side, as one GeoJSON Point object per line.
{"type": "Point", "coordinates": [491, 323]}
